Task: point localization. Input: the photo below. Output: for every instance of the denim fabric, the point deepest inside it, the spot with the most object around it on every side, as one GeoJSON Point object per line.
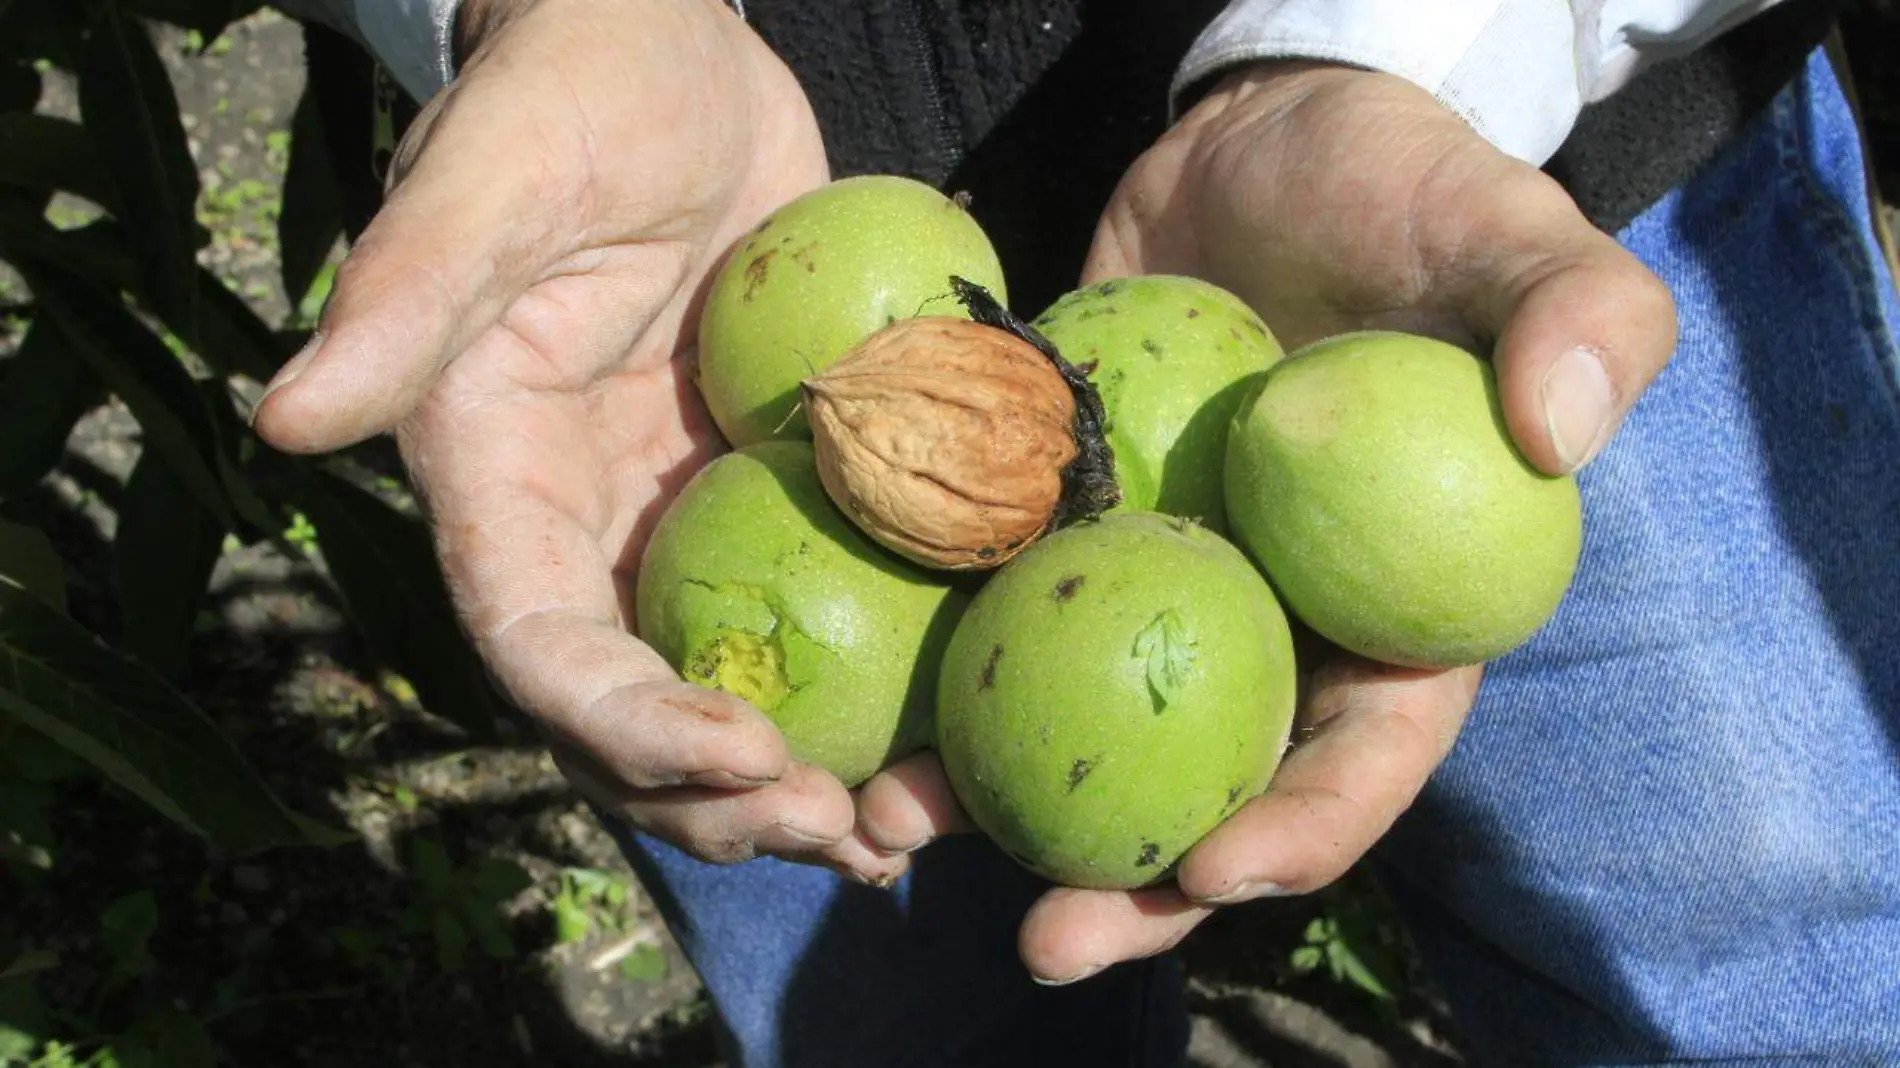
{"type": "Point", "coordinates": [1670, 831]}
{"type": "Point", "coordinates": [1671, 828]}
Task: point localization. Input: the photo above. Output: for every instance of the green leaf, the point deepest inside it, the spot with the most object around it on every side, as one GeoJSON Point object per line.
{"type": "Point", "coordinates": [122, 718]}
{"type": "Point", "coordinates": [137, 366]}
{"type": "Point", "coordinates": [1306, 958]}
{"type": "Point", "coordinates": [432, 870]}
{"type": "Point", "coordinates": [132, 114]}
{"type": "Point", "coordinates": [646, 964]}
{"type": "Point", "coordinates": [451, 940]}
{"type": "Point", "coordinates": [496, 880]}
{"type": "Point", "coordinates": [571, 921]}
{"type": "Point", "coordinates": [126, 928]}
{"type": "Point", "coordinates": [28, 558]}
{"type": "Point", "coordinates": [165, 1038]}
{"type": "Point", "coordinates": [29, 961]}
{"type": "Point", "coordinates": [208, 17]}
{"type": "Point", "coordinates": [491, 934]}
{"type": "Point", "coordinates": [233, 339]}
{"type": "Point", "coordinates": [25, 1021]}
{"type": "Point", "coordinates": [162, 556]}
{"type": "Point", "coordinates": [47, 154]}
{"type": "Point", "coordinates": [19, 84]}
{"type": "Point", "coordinates": [32, 30]}
{"type": "Point", "coordinates": [384, 566]}
{"type": "Point", "coordinates": [26, 835]}
{"type": "Point", "coordinates": [312, 218]}
{"type": "Point", "coordinates": [1348, 967]}
{"type": "Point", "coordinates": [45, 389]}
{"type": "Point", "coordinates": [1169, 651]}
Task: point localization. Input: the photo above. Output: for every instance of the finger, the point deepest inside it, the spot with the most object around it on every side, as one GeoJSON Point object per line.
{"type": "Point", "coordinates": [801, 815]}
{"type": "Point", "coordinates": [1072, 934]}
{"type": "Point", "coordinates": [1377, 734]}
{"type": "Point", "coordinates": [856, 858]}
{"type": "Point", "coordinates": [473, 223]}
{"type": "Point", "coordinates": [524, 544]}
{"type": "Point", "coordinates": [903, 807]}
{"type": "Point", "coordinates": [1581, 327]}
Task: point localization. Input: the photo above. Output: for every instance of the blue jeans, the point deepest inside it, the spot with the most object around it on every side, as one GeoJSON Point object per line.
{"type": "Point", "coordinates": [1671, 828]}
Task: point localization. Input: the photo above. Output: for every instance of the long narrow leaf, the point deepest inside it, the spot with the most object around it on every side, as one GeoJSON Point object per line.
{"type": "Point", "coordinates": [132, 114]}
{"type": "Point", "coordinates": [126, 721]}
{"type": "Point", "coordinates": [384, 567]}
{"type": "Point", "coordinates": [36, 29]}
{"type": "Point", "coordinates": [44, 390]}
{"type": "Point", "coordinates": [162, 556]}
{"type": "Point", "coordinates": [312, 217]}
{"type": "Point", "coordinates": [208, 17]}
{"type": "Point", "coordinates": [47, 154]}
{"type": "Point", "coordinates": [19, 83]}
{"type": "Point", "coordinates": [234, 339]}
{"type": "Point", "coordinates": [137, 366]}
{"type": "Point", "coordinates": [28, 558]}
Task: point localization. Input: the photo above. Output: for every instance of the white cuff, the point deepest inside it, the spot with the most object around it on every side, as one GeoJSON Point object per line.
{"type": "Point", "coordinates": [1508, 67]}
{"type": "Point", "coordinates": [411, 38]}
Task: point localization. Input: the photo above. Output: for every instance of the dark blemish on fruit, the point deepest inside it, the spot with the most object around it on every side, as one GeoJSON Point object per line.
{"type": "Point", "coordinates": [961, 199]}
{"type": "Point", "coordinates": [802, 257]}
{"type": "Point", "coordinates": [1089, 367]}
{"type": "Point", "coordinates": [1235, 334]}
{"type": "Point", "coordinates": [1257, 327]}
{"type": "Point", "coordinates": [1107, 289]}
{"type": "Point", "coordinates": [1019, 858]}
{"type": "Point", "coordinates": [1045, 733]}
{"type": "Point", "coordinates": [1148, 346]}
{"type": "Point", "coordinates": [755, 273]}
{"type": "Point", "coordinates": [765, 225]}
{"type": "Point", "coordinates": [1150, 852]}
{"type": "Point", "coordinates": [987, 552]}
{"type": "Point", "coordinates": [1079, 771]}
{"type": "Point", "coordinates": [1194, 313]}
{"type": "Point", "coordinates": [1234, 792]}
{"type": "Point", "coordinates": [988, 678]}
{"type": "Point", "coordinates": [1065, 590]}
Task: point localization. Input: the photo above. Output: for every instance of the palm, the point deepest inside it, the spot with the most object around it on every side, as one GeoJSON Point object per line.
{"type": "Point", "coordinates": [1331, 200]}
{"type": "Point", "coordinates": [521, 312]}
{"type": "Point", "coordinates": [1355, 208]}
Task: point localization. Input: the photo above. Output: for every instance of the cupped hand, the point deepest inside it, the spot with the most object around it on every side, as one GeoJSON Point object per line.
{"type": "Point", "coordinates": [1333, 199]}
{"type": "Point", "coordinates": [521, 314]}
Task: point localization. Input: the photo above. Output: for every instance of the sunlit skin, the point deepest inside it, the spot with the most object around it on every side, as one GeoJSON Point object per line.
{"type": "Point", "coordinates": [518, 315]}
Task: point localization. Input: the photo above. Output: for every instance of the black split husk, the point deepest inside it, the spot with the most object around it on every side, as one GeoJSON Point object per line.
{"type": "Point", "coordinates": [1088, 483]}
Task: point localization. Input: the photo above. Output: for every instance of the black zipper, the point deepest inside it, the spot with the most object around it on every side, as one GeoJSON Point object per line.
{"type": "Point", "coordinates": [949, 144]}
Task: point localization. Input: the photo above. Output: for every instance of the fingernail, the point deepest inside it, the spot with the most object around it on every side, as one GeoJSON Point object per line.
{"type": "Point", "coordinates": [1245, 891]}
{"type": "Point", "coordinates": [1076, 978]}
{"type": "Point", "coordinates": [290, 370]}
{"type": "Point", "coordinates": [1577, 403]}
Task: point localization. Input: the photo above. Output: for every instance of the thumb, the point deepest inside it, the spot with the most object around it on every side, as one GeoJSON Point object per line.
{"type": "Point", "coordinates": [469, 227]}
{"type": "Point", "coordinates": [1581, 331]}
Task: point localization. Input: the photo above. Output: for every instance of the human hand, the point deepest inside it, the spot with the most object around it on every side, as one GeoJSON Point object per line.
{"type": "Point", "coordinates": [1333, 199]}
{"type": "Point", "coordinates": [521, 313]}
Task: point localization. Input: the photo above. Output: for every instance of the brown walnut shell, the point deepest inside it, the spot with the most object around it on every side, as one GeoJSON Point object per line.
{"type": "Point", "coordinates": [944, 439]}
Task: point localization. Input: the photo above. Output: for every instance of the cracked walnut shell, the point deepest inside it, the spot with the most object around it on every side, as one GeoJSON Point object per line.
{"type": "Point", "coordinates": [944, 439]}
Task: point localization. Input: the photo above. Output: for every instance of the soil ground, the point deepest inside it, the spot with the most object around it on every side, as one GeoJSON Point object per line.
{"type": "Point", "coordinates": [333, 958]}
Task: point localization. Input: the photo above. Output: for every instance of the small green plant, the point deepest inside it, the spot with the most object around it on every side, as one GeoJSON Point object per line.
{"type": "Point", "coordinates": [459, 906]}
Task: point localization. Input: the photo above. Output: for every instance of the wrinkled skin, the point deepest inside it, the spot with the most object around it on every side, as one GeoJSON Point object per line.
{"type": "Point", "coordinates": [515, 315]}
{"type": "Point", "coordinates": [519, 314]}
{"type": "Point", "coordinates": [1333, 199]}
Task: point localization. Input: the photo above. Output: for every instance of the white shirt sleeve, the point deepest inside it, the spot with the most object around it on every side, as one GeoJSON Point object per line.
{"type": "Point", "coordinates": [413, 39]}
{"type": "Point", "coordinates": [1519, 71]}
